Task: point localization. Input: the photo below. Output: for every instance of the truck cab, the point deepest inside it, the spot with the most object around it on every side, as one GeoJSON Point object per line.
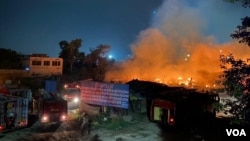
{"type": "Point", "coordinates": [52, 108]}
{"type": "Point", "coordinates": [183, 109]}
{"type": "Point", "coordinates": [71, 93]}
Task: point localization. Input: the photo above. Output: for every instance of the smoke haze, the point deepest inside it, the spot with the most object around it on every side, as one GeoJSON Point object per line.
{"type": "Point", "coordinates": [181, 44]}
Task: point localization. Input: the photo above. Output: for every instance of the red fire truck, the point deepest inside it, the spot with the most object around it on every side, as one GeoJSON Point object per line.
{"type": "Point", "coordinates": [19, 92]}
{"type": "Point", "coordinates": [183, 109]}
{"type": "Point", "coordinates": [13, 112]}
{"type": "Point", "coordinates": [52, 108]}
{"type": "Point", "coordinates": [71, 93]}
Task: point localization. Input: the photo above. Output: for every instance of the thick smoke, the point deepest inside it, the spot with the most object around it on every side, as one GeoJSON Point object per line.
{"type": "Point", "coordinates": [176, 49]}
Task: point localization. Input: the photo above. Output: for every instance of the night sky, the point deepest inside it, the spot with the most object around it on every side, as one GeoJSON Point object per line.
{"type": "Point", "coordinates": [37, 26]}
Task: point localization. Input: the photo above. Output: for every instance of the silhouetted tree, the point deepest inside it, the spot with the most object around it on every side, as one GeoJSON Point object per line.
{"type": "Point", "coordinates": [245, 3]}
{"type": "Point", "coordinates": [80, 60]}
{"type": "Point", "coordinates": [235, 78]}
{"type": "Point", "coordinates": [69, 53]}
{"type": "Point", "coordinates": [243, 32]}
{"type": "Point", "coordinates": [236, 74]}
{"type": "Point", "coordinates": [10, 59]}
{"type": "Point", "coordinates": [97, 62]}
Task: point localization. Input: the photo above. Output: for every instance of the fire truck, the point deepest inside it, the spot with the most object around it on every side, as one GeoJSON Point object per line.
{"type": "Point", "coordinates": [15, 91]}
{"type": "Point", "coordinates": [71, 93]}
{"type": "Point", "coordinates": [51, 108]}
{"type": "Point", "coordinates": [19, 92]}
{"type": "Point", "coordinates": [13, 112]}
{"type": "Point", "coordinates": [181, 109]}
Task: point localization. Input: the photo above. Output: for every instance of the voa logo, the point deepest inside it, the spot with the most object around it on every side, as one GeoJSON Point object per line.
{"type": "Point", "coordinates": [236, 132]}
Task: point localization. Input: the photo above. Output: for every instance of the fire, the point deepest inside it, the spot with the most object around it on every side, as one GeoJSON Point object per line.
{"type": "Point", "coordinates": [174, 51]}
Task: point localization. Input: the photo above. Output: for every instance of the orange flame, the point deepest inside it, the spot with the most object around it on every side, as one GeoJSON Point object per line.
{"type": "Point", "coordinates": [174, 52]}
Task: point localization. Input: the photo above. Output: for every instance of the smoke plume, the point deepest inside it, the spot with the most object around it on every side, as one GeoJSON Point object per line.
{"type": "Point", "coordinates": [178, 49]}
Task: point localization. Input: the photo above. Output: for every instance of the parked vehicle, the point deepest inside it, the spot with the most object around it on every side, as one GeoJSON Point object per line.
{"type": "Point", "coordinates": [13, 112]}
{"type": "Point", "coordinates": [71, 93]}
{"type": "Point", "coordinates": [183, 109]}
{"type": "Point", "coordinates": [52, 108]}
{"type": "Point", "coordinates": [19, 92]}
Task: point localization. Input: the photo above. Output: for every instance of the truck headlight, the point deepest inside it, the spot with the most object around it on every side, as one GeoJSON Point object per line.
{"type": "Point", "coordinates": [44, 118]}
{"type": "Point", "coordinates": [76, 99]}
{"type": "Point", "coordinates": [63, 117]}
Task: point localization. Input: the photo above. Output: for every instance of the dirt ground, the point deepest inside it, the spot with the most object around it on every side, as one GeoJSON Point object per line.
{"type": "Point", "coordinates": [142, 129]}
{"type": "Point", "coordinates": [139, 129]}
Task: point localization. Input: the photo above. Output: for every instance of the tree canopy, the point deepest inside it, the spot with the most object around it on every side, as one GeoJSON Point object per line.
{"type": "Point", "coordinates": [86, 66]}
{"type": "Point", "coordinates": [245, 3]}
{"type": "Point", "coordinates": [236, 75]}
{"type": "Point", "coordinates": [243, 32]}
{"type": "Point", "coordinates": [10, 59]}
{"type": "Point", "coordinates": [69, 53]}
{"type": "Point", "coordinates": [236, 79]}
{"type": "Point", "coordinates": [97, 62]}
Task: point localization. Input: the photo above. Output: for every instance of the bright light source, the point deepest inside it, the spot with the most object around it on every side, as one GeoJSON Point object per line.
{"type": "Point", "coordinates": [65, 97]}
{"type": "Point", "coordinates": [44, 118]}
{"type": "Point", "coordinates": [65, 86]}
{"type": "Point", "coordinates": [158, 80]}
{"type": "Point", "coordinates": [179, 78]}
{"type": "Point", "coordinates": [76, 99]}
{"type": "Point", "coordinates": [63, 117]}
{"type": "Point", "coordinates": [110, 56]}
{"type": "Point", "coordinates": [171, 119]}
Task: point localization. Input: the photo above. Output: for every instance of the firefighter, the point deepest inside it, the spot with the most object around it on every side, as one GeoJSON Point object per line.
{"type": "Point", "coordinates": [86, 123]}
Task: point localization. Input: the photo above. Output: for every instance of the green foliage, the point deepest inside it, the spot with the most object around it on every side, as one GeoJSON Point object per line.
{"type": "Point", "coordinates": [217, 106]}
{"type": "Point", "coordinates": [235, 79]}
{"type": "Point", "coordinates": [104, 120]}
{"type": "Point", "coordinates": [238, 110]}
{"type": "Point", "coordinates": [108, 122]}
{"type": "Point", "coordinates": [234, 75]}
{"type": "Point", "coordinates": [133, 98]}
{"type": "Point", "coordinates": [116, 123]}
